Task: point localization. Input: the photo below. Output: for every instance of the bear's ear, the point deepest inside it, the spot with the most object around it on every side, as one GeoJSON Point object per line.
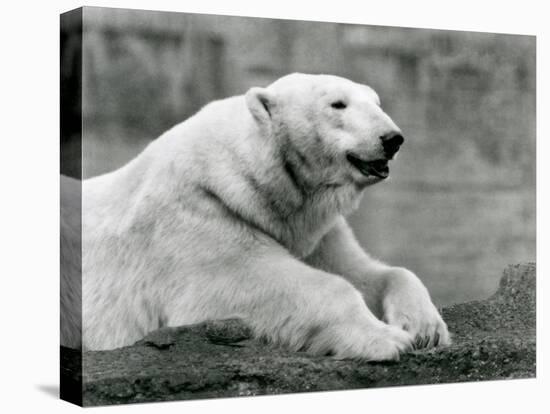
{"type": "Point", "coordinates": [260, 103]}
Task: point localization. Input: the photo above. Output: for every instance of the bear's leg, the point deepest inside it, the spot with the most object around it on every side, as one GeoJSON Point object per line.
{"type": "Point", "coordinates": [292, 304]}
{"type": "Point", "coordinates": [394, 294]}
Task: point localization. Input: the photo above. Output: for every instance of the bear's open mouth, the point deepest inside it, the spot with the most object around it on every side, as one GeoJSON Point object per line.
{"type": "Point", "coordinates": [378, 168]}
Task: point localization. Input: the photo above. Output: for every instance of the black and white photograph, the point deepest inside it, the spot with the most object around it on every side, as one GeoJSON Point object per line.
{"type": "Point", "coordinates": [274, 207]}
{"type": "Point", "coordinates": [255, 206]}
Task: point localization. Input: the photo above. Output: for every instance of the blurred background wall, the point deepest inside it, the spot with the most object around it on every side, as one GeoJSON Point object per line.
{"type": "Point", "coordinates": [460, 203]}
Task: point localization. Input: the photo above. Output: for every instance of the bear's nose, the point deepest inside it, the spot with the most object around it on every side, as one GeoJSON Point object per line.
{"type": "Point", "coordinates": [391, 143]}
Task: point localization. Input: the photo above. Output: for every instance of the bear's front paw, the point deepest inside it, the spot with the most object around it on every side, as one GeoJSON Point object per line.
{"type": "Point", "coordinates": [372, 341]}
{"type": "Point", "coordinates": [407, 305]}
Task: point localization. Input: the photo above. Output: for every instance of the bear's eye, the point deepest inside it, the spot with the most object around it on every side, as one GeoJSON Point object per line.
{"type": "Point", "coordinates": [338, 105]}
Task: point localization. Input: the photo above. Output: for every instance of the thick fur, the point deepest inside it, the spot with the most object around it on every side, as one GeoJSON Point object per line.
{"type": "Point", "coordinates": [240, 212]}
{"type": "Point", "coordinates": [71, 262]}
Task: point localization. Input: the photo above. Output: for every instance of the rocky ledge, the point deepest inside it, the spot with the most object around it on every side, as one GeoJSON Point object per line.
{"type": "Point", "coordinates": [492, 339]}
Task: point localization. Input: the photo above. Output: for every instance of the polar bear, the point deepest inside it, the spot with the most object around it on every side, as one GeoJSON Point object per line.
{"type": "Point", "coordinates": [240, 212]}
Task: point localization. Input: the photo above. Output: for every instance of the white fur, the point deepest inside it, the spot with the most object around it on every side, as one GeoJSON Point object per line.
{"type": "Point", "coordinates": [239, 212]}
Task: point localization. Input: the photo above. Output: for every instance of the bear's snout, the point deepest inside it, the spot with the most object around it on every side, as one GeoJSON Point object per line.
{"type": "Point", "coordinates": [391, 143]}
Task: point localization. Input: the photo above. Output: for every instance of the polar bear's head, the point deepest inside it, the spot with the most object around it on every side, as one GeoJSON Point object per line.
{"type": "Point", "coordinates": [331, 130]}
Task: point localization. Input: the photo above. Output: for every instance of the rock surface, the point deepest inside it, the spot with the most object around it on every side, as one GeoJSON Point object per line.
{"type": "Point", "coordinates": [492, 339]}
